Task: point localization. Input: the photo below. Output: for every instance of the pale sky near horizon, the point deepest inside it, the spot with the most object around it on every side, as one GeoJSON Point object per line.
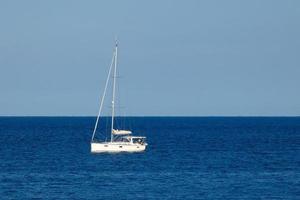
{"type": "Point", "coordinates": [192, 58]}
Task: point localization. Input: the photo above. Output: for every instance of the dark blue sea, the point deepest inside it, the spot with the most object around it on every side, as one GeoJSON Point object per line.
{"type": "Point", "coordinates": [187, 158]}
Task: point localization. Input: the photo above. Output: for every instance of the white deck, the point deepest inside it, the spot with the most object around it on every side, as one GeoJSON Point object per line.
{"type": "Point", "coordinates": [102, 147]}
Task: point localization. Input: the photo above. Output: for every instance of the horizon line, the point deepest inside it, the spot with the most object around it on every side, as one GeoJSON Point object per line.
{"type": "Point", "coordinates": [152, 116]}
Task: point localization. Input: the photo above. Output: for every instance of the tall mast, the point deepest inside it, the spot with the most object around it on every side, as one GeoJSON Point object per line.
{"type": "Point", "coordinates": [114, 91]}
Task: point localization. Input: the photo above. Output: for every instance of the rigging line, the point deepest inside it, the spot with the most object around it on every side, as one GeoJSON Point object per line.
{"type": "Point", "coordinates": [104, 93]}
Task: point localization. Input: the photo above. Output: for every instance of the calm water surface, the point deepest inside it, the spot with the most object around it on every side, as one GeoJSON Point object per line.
{"type": "Point", "coordinates": [187, 158]}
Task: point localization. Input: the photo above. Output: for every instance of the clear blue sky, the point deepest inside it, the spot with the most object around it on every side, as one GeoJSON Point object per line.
{"type": "Point", "coordinates": [205, 58]}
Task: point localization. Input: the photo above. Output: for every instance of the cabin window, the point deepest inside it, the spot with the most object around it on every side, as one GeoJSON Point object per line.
{"type": "Point", "coordinates": [106, 145]}
{"type": "Point", "coordinates": [120, 146]}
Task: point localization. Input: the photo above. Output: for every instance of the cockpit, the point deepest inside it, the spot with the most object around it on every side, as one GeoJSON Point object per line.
{"type": "Point", "coordinates": [133, 139]}
{"type": "Point", "coordinates": [139, 140]}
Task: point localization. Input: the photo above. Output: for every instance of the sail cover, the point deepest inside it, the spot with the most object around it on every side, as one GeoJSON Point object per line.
{"type": "Point", "coordinates": [120, 132]}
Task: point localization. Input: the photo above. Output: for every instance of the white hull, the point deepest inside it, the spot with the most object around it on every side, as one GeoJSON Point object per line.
{"type": "Point", "coordinates": [102, 147]}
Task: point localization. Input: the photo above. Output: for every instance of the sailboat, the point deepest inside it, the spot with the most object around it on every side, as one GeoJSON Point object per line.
{"type": "Point", "coordinates": [120, 140]}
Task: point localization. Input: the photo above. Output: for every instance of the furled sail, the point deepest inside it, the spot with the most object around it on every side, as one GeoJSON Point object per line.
{"type": "Point", "coordinates": [120, 132]}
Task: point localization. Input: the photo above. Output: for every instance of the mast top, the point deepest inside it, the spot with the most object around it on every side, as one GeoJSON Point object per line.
{"type": "Point", "coordinates": [116, 41]}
